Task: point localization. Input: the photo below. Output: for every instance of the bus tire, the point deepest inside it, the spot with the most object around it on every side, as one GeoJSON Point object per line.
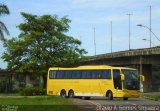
{"type": "Point", "coordinates": [63, 93]}
{"type": "Point", "coordinates": [125, 98]}
{"type": "Point", "coordinates": [110, 95]}
{"type": "Point", "coordinates": [71, 94]}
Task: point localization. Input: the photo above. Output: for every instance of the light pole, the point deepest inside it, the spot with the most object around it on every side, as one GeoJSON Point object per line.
{"type": "Point", "coordinates": [140, 25]}
{"type": "Point", "coordinates": [94, 40]}
{"type": "Point", "coordinates": [149, 41]}
{"type": "Point", "coordinates": [140, 63]}
{"type": "Point", "coordinates": [111, 36]}
{"type": "Point", "coordinates": [150, 26]}
{"type": "Point", "coordinates": [129, 30]}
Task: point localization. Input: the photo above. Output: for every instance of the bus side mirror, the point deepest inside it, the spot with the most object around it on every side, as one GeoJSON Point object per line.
{"type": "Point", "coordinates": [142, 78]}
{"type": "Point", "coordinates": [122, 77]}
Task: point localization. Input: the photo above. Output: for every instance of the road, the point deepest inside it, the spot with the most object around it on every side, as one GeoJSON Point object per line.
{"type": "Point", "coordinates": [102, 104]}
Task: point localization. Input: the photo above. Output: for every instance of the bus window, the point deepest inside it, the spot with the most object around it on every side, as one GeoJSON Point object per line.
{"type": "Point", "coordinates": [96, 74]}
{"type": "Point", "coordinates": [106, 74]}
{"type": "Point", "coordinates": [60, 74]}
{"type": "Point", "coordinates": [117, 79]}
{"type": "Point", "coordinates": [86, 74]}
{"type": "Point", "coordinates": [52, 74]}
{"type": "Point", "coordinates": [76, 74]}
{"type": "Point", "coordinates": [68, 74]}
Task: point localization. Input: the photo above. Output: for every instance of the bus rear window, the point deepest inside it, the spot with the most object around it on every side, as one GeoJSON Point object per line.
{"type": "Point", "coordinates": [52, 74]}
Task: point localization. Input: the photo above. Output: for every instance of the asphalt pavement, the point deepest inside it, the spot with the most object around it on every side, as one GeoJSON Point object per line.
{"type": "Point", "coordinates": [118, 104]}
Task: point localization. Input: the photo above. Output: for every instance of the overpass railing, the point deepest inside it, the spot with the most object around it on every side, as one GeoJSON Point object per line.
{"type": "Point", "coordinates": [133, 52]}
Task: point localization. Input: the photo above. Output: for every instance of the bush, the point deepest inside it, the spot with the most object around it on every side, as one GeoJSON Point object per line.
{"type": "Point", "coordinates": [32, 91]}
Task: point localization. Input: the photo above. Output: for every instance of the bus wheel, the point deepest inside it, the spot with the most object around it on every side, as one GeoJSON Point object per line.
{"type": "Point", "coordinates": [63, 94]}
{"type": "Point", "coordinates": [125, 98]}
{"type": "Point", "coordinates": [110, 95]}
{"type": "Point", "coordinates": [71, 94]}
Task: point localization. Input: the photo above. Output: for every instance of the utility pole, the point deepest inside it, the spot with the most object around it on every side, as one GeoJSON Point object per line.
{"type": "Point", "coordinates": [129, 31]}
{"type": "Point", "coordinates": [140, 64]}
{"type": "Point", "coordinates": [150, 27]}
{"type": "Point", "coordinates": [111, 36]}
{"type": "Point", "coordinates": [94, 40]}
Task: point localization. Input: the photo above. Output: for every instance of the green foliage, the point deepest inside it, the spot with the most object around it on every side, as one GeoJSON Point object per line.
{"type": "Point", "coordinates": [32, 91]}
{"type": "Point", "coordinates": [3, 79]}
{"type": "Point", "coordinates": [42, 43]}
{"type": "Point", "coordinates": [3, 11]}
{"type": "Point", "coordinates": [156, 75]}
{"type": "Point", "coordinates": [5, 86]}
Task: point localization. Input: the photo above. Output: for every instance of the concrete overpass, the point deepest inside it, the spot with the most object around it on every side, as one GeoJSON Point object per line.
{"type": "Point", "coordinates": [142, 59]}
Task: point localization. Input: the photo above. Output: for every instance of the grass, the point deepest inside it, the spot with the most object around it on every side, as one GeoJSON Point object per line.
{"type": "Point", "coordinates": [36, 103]}
{"type": "Point", "coordinates": [155, 97]}
{"type": "Point", "coordinates": [9, 94]}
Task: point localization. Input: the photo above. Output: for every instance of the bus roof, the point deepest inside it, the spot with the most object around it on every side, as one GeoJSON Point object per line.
{"type": "Point", "coordinates": [123, 68]}
{"type": "Point", "coordinates": [89, 67]}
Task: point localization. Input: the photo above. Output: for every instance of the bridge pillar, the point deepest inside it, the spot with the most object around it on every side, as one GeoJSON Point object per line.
{"type": "Point", "coordinates": [147, 72]}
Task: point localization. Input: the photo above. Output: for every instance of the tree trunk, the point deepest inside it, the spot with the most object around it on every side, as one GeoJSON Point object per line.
{"type": "Point", "coordinates": [44, 81]}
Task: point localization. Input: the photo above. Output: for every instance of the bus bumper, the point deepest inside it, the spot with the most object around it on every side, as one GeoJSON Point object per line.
{"type": "Point", "coordinates": [131, 94]}
{"type": "Point", "coordinates": [128, 94]}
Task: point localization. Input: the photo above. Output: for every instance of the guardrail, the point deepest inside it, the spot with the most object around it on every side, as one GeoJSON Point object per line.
{"type": "Point", "coordinates": [133, 52]}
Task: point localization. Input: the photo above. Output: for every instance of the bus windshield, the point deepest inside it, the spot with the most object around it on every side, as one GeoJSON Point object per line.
{"type": "Point", "coordinates": [132, 80]}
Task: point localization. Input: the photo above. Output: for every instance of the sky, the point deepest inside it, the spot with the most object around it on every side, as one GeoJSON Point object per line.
{"type": "Point", "coordinates": [85, 15]}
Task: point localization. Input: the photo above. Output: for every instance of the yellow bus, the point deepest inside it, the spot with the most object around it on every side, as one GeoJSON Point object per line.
{"type": "Point", "coordinates": [89, 81]}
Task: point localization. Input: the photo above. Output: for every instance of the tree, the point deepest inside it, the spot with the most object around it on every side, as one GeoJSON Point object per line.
{"type": "Point", "coordinates": [42, 43]}
{"type": "Point", "coordinates": [3, 11]}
